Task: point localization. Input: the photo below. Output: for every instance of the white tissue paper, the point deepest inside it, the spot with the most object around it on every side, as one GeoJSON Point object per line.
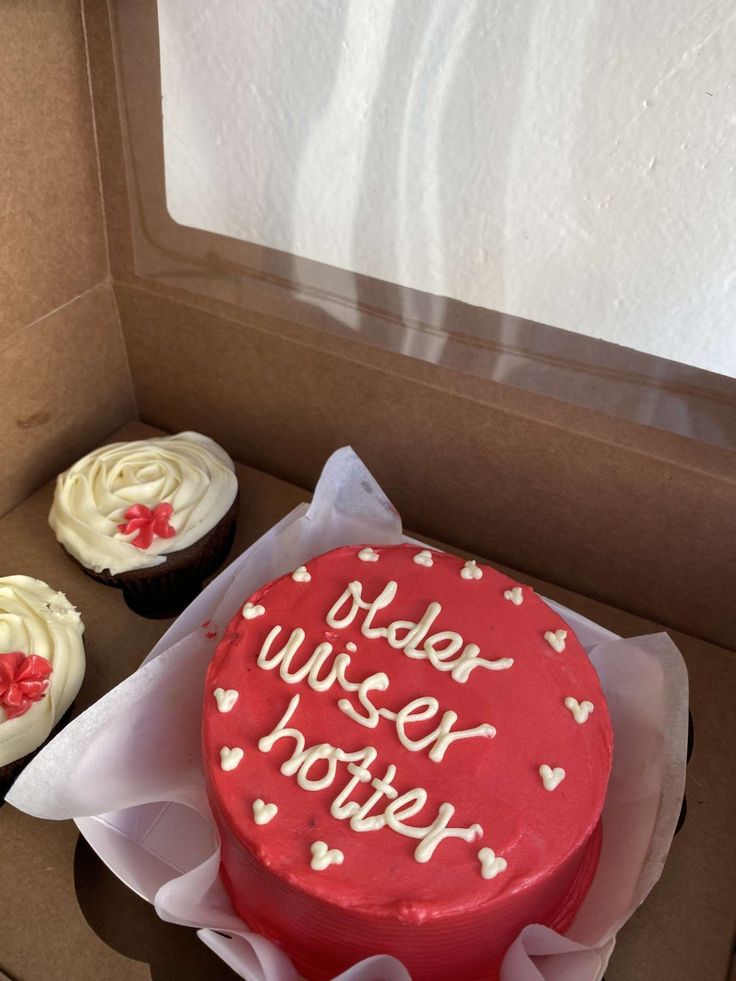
{"type": "Point", "coordinates": [146, 815]}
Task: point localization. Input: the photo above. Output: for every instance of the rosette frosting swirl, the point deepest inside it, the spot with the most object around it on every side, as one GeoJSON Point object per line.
{"type": "Point", "coordinates": [35, 619]}
{"type": "Point", "coordinates": [189, 472]}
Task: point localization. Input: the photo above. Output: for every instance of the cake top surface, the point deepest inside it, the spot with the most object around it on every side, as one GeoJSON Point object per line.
{"type": "Point", "coordinates": [395, 729]}
{"type": "Point", "coordinates": [41, 663]}
{"type": "Point", "coordinates": [126, 506]}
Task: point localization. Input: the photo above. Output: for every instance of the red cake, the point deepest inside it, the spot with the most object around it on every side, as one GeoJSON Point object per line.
{"type": "Point", "coordinates": [405, 753]}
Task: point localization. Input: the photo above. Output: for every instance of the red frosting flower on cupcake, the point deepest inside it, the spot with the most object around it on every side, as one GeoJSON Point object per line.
{"type": "Point", "coordinates": [23, 681]}
{"type": "Point", "coordinates": [148, 523]}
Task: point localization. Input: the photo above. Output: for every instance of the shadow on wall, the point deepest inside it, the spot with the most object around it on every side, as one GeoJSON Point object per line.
{"type": "Point", "coordinates": [435, 56]}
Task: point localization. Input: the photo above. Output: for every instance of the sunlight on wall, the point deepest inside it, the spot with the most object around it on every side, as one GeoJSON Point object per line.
{"type": "Point", "coordinates": [570, 163]}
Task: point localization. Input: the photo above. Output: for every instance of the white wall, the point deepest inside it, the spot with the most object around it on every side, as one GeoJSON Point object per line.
{"type": "Point", "coordinates": [570, 162]}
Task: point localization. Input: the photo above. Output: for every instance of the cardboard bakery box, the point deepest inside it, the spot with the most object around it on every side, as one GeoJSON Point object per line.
{"type": "Point", "coordinates": [603, 477]}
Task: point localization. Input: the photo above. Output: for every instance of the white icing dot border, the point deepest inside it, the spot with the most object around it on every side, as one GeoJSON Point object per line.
{"type": "Point", "coordinates": [253, 610]}
{"type": "Point", "coordinates": [552, 777]}
{"type": "Point", "coordinates": [491, 864]}
{"type": "Point", "coordinates": [368, 554]}
{"type": "Point", "coordinates": [230, 757]}
{"type": "Point", "coordinates": [471, 570]}
{"type": "Point", "coordinates": [580, 710]}
{"type": "Point", "coordinates": [225, 698]}
{"type": "Point", "coordinates": [323, 857]}
{"type": "Point", "coordinates": [263, 812]}
{"type": "Point", "coordinates": [556, 639]}
{"type": "Point", "coordinates": [514, 595]}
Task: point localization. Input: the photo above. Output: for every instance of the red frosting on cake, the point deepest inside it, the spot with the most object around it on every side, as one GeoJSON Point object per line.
{"type": "Point", "coordinates": [441, 917]}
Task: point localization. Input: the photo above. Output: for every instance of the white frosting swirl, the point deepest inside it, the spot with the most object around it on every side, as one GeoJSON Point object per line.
{"type": "Point", "coordinates": [35, 619]}
{"type": "Point", "coordinates": [189, 471]}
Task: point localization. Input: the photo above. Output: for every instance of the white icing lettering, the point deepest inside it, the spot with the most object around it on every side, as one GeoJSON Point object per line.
{"type": "Point", "coordinates": [403, 807]}
{"type": "Point", "coordinates": [382, 788]}
{"type": "Point", "coordinates": [310, 670]}
{"type": "Point", "coordinates": [375, 682]}
{"type": "Point", "coordinates": [399, 808]}
{"type": "Point", "coordinates": [279, 731]}
{"type": "Point", "coordinates": [410, 804]}
{"type": "Point", "coordinates": [302, 763]}
{"type": "Point", "coordinates": [439, 831]}
{"type": "Point", "coordinates": [415, 632]}
{"type": "Point", "coordinates": [440, 648]}
{"type": "Point", "coordinates": [341, 807]}
{"type": "Point", "coordinates": [470, 659]}
{"type": "Point", "coordinates": [384, 599]}
{"type": "Point", "coordinates": [353, 593]}
{"type": "Point", "coordinates": [439, 738]}
{"type": "Point", "coordinates": [437, 653]}
{"type": "Point", "coordinates": [302, 760]}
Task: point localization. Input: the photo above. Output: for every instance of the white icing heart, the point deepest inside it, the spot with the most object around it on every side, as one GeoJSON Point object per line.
{"type": "Point", "coordinates": [322, 856]}
{"type": "Point", "coordinates": [251, 610]}
{"type": "Point", "coordinates": [551, 777]}
{"type": "Point", "coordinates": [580, 710]}
{"type": "Point", "coordinates": [556, 640]}
{"type": "Point", "coordinates": [301, 574]}
{"type": "Point", "coordinates": [229, 758]}
{"type": "Point", "coordinates": [515, 595]}
{"type": "Point", "coordinates": [225, 698]}
{"type": "Point", "coordinates": [490, 865]}
{"type": "Point", "coordinates": [471, 570]}
{"type": "Point", "coordinates": [262, 812]}
{"type": "Point", "coordinates": [424, 558]}
{"type": "Point", "coordinates": [368, 555]}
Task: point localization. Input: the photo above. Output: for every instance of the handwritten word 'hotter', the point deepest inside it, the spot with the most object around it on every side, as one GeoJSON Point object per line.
{"type": "Point", "coordinates": [395, 814]}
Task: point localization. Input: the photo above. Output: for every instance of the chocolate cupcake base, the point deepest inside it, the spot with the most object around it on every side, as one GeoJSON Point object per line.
{"type": "Point", "coordinates": [164, 590]}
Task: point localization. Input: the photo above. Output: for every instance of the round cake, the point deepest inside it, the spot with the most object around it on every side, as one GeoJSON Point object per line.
{"type": "Point", "coordinates": [154, 517]}
{"type": "Point", "coordinates": [41, 667]}
{"type": "Point", "coordinates": [408, 754]}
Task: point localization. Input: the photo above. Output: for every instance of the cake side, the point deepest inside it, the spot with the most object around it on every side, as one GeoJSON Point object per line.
{"type": "Point", "coordinates": [323, 939]}
{"type": "Point", "coordinates": [385, 735]}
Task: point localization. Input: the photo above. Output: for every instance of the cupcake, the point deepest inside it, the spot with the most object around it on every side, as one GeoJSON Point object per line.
{"type": "Point", "coordinates": [153, 517]}
{"type": "Point", "coordinates": [41, 668]}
